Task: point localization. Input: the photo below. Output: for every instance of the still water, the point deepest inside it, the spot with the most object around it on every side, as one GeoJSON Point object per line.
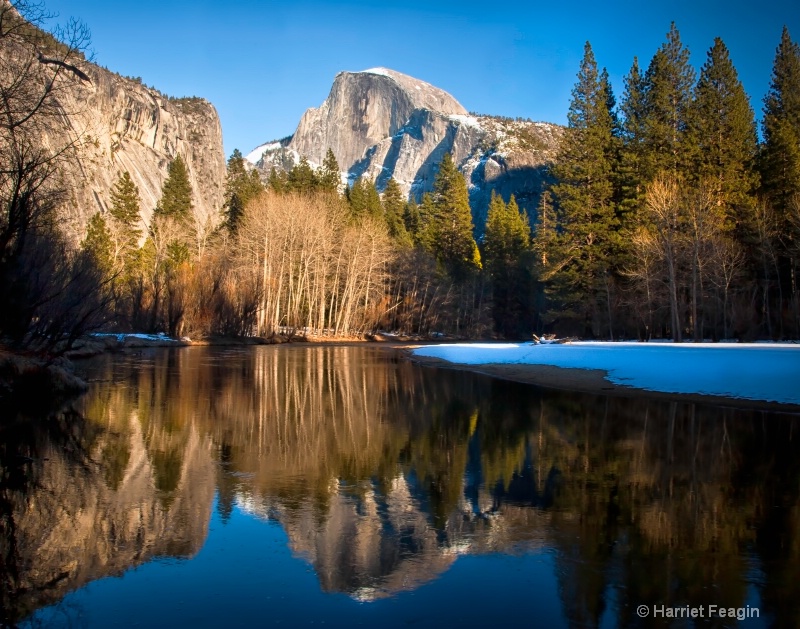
{"type": "Point", "coordinates": [345, 486]}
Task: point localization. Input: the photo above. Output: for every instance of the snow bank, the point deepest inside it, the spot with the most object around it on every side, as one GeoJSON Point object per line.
{"type": "Point", "coordinates": [148, 339]}
{"type": "Point", "coordinates": [769, 372]}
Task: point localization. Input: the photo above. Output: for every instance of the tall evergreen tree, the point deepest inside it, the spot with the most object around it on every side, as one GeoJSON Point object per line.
{"type": "Point", "coordinates": [123, 226]}
{"type": "Point", "coordinates": [125, 201]}
{"type": "Point", "coordinates": [629, 172]}
{"type": "Point", "coordinates": [176, 193]}
{"type": "Point", "coordinates": [453, 242]}
{"type": "Point", "coordinates": [98, 244]}
{"type": "Point", "coordinates": [302, 177]}
{"type": "Point", "coordinates": [241, 186]}
{"type": "Point", "coordinates": [584, 194]}
{"type": "Point", "coordinates": [125, 208]}
{"type": "Point", "coordinates": [364, 199]}
{"type": "Point", "coordinates": [329, 175]}
{"type": "Point", "coordinates": [780, 162]}
{"type": "Point", "coordinates": [425, 235]}
{"type": "Point", "coordinates": [175, 209]}
{"type": "Point", "coordinates": [411, 220]}
{"type": "Point", "coordinates": [667, 104]}
{"type": "Point", "coordinates": [725, 134]}
{"type": "Point", "coordinates": [506, 242]}
{"type": "Point", "coordinates": [780, 169]}
{"type": "Point", "coordinates": [393, 209]}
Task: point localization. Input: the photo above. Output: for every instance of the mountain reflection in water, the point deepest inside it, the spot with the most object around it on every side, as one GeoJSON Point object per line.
{"type": "Point", "coordinates": [382, 473]}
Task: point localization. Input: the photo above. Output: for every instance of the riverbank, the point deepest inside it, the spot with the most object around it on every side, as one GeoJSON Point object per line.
{"type": "Point", "coordinates": [26, 378]}
{"type": "Point", "coordinates": [594, 381]}
{"type": "Point", "coordinates": [31, 382]}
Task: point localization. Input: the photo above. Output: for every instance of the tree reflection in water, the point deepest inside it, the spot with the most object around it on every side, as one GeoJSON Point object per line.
{"type": "Point", "coordinates": [382, 472]}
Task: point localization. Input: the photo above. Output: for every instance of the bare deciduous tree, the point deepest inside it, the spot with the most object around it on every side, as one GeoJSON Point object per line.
{"type": "Point", "coordinates": [40, 293]}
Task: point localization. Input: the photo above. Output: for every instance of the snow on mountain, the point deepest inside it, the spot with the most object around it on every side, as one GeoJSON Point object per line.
{"type": "Point", "coordinates": [255, 155]}
{"type": "Point", "coordinates": [383, 124]}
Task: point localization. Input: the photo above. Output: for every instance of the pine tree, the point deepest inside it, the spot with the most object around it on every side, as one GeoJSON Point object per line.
{"type": "Point", "coordinates": [584, 193]}
{"type": "Point", "coordinates": [125, 201]}
{"type": "Point", "coordinates": [780, 169]}
{"type": "Point", "coordinates": [411, 220]}
{"type": "Point", "coordinates": [278, 181]}
{"type": "Point", "coordinates": [426, 235]}
{"type": "Point", "coordinates": [725, 133]}
{"type": "Point", "coordinates": [241, 186]}
{"type": "Point", "coordinates": [630, 178]}
{"type": "Point", "coordinates": [364, 199]}
{"type": "Point", "coordinates": [780, 160]}
{"type": "Point", "coordinates": [176, 193]}
{"type": "Point", "coordinates": [393, 209]}
{"type": "Point", "coordinates": [506, 242]}
{"type": "Point", "coordinates": [667, 104]}
{"type": "Point", "coordinates": [507, 234]}
{"type": "Point", "coordinates": [329, 175]}
{"type": "Point", "coordinates": [453, 242]}
{"type": "Point", "coordinates": [125, 208]}
{"type": "Point", "coordinates": [98, 244]}
{"type": "Point", "coordinates": [123, 226]}
{"type": "Point", "coordinates": [302, 177]}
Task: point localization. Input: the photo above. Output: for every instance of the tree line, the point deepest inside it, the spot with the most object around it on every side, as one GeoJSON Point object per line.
{"type": "Point", "coordinates": [290, 255]}
{"type": "Point", "coordinates": [666, 217]}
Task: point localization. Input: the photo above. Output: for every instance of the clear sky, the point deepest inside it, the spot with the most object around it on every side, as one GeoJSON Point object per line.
{"type": "Point", "coordinates": [262, 64]}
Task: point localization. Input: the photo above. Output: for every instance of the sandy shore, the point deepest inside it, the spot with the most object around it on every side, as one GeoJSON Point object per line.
{"type": "Point", "coordinates": [588, 381]}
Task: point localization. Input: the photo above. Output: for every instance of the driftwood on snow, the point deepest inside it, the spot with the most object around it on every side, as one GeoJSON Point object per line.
{"type": "Point", "coordinates": [550, 339]}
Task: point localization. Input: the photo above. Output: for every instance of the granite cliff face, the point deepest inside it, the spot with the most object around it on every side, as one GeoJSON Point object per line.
{"type": "Point", "coordinates": [381, 124]}
{"type": "Point", "coordinates": [118, 124]}
{"type": "Point", "coordinates": [364, 109]}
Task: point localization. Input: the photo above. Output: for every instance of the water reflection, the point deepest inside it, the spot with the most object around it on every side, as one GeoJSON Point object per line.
{"type": "Point", "coordinates": [382, 473]}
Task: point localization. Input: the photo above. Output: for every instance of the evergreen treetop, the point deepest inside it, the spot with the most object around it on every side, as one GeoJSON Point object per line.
{"type": "Point", "coordinates": [176, 193]}
{"type": "Point", "coordinates": [241, 186]}
{"type": "Point", "coordinates": [393, 211]}
{"type": "Point", "coordinates": [669, 81]}
{"type": "Point", "coordinates": [780, 160]}
{"type": "Point", "coordinates": [125, 201]}
{"type": "Point", "coordinates": [364, 199]}
{"type": "Point", "coordinates": [302, 177]}
{"type": "Point", "coordinates": [507, 234]}
{"type": "Point", "coordinates": [329, 175]}
{"type": "Point", "coordinates": [725, 131]}
{"type": "Point", "coordinates": [452, 226]}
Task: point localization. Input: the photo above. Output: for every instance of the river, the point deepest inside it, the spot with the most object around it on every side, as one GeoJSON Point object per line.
{"type": "Point", "coordinates": [346, 486]}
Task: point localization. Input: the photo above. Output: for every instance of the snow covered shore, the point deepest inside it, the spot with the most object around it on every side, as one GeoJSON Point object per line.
{"type": "Point", "coordinates": [753, 371]}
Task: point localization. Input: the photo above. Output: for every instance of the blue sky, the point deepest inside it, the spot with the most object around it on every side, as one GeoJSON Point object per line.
{"type": "Point", "coordinates": [262, 64]}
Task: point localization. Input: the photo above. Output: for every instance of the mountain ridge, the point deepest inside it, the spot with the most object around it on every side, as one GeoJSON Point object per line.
{"type": "Point", "coordinates": [383, 124]}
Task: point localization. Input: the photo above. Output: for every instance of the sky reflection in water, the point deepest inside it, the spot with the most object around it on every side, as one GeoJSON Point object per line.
{"type": "Point", "coordinates": [301, 485]}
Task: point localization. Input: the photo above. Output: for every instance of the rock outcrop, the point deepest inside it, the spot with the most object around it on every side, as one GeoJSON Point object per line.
{"type": "Point", "coordinates": [382, 124]}
{"type": "Point", "coordinates": [117, 124]}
